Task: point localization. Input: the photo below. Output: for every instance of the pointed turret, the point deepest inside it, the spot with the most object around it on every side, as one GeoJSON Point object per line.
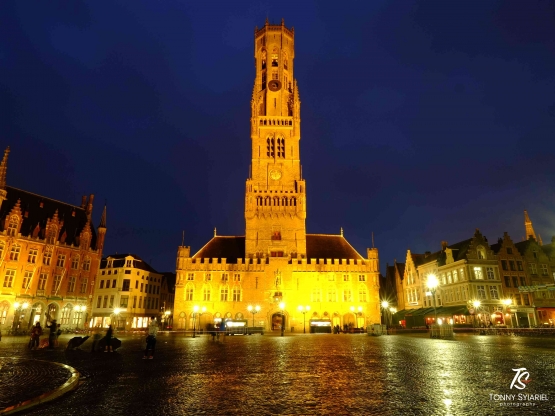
{"type": "Point", "coordinates": [528, 226]}
{"type": "Point", "coordinates": [101, 231]}
{"type": "Point", "coordinates": [3, 172]}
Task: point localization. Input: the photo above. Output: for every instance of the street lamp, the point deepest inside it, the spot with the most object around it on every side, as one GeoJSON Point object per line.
{"type": "Point", "coordinates": [253, 310]}
{"type": "Point", "coordinates": [282, 307]}
{"type": "Point", "coordinates": [19, 308]}
{"type": "Point", "coordinates": [392, 312]}
{"type": "Point", "coordinates": [195, 311]}
{"type": "Point", "coordinates": [476, 305]}
{"type": "Point", "coordinates": [304, 310]}
{"type": "Point", "coordinates": [117, 311]}
{"type": "Point", "coordinates": [507, 302]}
{"type": "Point", "coordinates": [432, 283]}
{"type": "Point", "coordinates": [167, 314]}
{"type": "Point", "coordinates": [385, 306]}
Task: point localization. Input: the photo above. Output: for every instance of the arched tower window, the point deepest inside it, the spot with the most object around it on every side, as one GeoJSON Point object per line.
{"type": "Point", "coordinates": [275, 57]}
{"type": "Point", "coordinates": [281, 147]}
{"type": "Point", "coordinates": [263, 60]}
{"type": "Point", "coordinates": [285, 60]}
{"type": "Point", "coordinates": [276, 201]}
{"type": "Point", "coordinates": [270, 147]}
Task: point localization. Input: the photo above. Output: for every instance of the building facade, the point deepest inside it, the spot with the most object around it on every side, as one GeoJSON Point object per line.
{"type": "Point", "coordinates": [49, 256]}
{"type": "Point", "coordinates": [127, 293]}
{"type": "Point", "coordinates": [276, 261]}
{"type": "Point", "coordinates": [466, 272]}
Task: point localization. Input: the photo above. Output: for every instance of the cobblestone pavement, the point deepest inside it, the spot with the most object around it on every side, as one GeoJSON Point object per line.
{"type": "Point", "coordinates": [306, 375]}
{"type": "Point", "coordinates": [38, 377]}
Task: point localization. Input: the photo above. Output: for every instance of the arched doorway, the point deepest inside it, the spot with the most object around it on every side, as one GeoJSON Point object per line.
{"type": "Point", "coordinates": [182, 322]}
{"type": "Point", "coordinates": [348, 321]}
{"type": "Point", "coordinates": [52, 311]}
{"type": "Point", "coordinates": [36, 314]}
{"type": "Point", "coordinates": [278, 320]}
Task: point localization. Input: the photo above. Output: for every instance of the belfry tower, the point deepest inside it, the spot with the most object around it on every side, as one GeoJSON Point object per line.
{"type": "Point", "coordinates": [275, 202]}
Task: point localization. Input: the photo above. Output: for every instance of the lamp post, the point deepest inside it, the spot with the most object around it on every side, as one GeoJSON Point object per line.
{"type": "Point", "coordinates": [507, 302]}
{"type": "Point", "coordinates": [432, 283]}
{"type": "Point", "coordinates": [392, 312]}
{"type": "Point", "coordinates": [202, 312]}
{"type": "Point", "coordinates": [385, 305]}
{"type": "Point", "coordinates": [19, 311]}
{"type": "Point", "coordinates": [282, 307]}
{"type": "Point", "coordinates": [476, 305]}
{"type": "Point", "coordinates": [253, 310]}
{"type": "Point", "coordinates": [195, 311]}
{"type": "Point", "coordinates": [117, 311]}
{"type": "Point", "coordinates": [304, 310]}
{"type": "Point", "coordinates": [167, 314]}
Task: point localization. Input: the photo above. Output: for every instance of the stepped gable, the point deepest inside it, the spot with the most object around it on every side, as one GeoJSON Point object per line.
{"type": "Point", "coordinates": [74, 217]}
{"type": "Point", "coordinates": [322, 246]}
{"type": "Point", "coordinates": [223, 247]}
{"type": "Point", "coordinates": [119, 261]}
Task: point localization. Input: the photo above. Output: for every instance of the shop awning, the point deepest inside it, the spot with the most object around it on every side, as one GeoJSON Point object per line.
{"type": "Point", "coordinates": [400, 315]}
{"type": "Point", "coordinates": [420, 312]}
{"type": "Point", "coordinates": [450, 311]}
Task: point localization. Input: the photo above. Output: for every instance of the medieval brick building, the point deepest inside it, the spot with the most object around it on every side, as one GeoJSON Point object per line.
{"type": "Point", "coordinates": [49, 256]}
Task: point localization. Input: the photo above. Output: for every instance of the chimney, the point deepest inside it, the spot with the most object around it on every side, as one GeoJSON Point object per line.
{"type": "Point", "coordinates": [84, 201]}
{"type": "Point", "coordinates": [443, 245]}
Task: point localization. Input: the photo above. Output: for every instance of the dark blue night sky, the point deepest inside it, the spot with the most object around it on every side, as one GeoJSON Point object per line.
{"type": "Point", "coordinates": [421, 120]}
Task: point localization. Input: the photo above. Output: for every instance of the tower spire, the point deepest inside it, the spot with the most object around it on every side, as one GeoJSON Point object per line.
{"type": "Point", "coordinates": [103, 218]}
{"type": "Point", "coordinates": [4, 168]}
{"type": "Point", "coordinates": [528, 226]}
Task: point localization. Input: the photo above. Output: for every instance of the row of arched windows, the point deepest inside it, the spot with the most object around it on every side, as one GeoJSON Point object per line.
{"type": "Point", "coordinates": [272, 144]}
{"type": "Point", "coordinates": [276, 201]}
{"type": "Point", "coordinates": [274, 122]}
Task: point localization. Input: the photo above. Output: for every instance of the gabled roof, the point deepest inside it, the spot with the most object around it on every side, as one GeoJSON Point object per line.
{"type": "Point", "coordinates": [400, 269]}
{"type": "Point", "coordinates": [323, 246]}
{"type": "Point", "coordinates": [459, 253]}
{"type": "Point", "coordinates": [223, 247]}
{"type": "Point", "coordinates": [119, 261]}
{"type": "Point", "coordinates": [74, 217]}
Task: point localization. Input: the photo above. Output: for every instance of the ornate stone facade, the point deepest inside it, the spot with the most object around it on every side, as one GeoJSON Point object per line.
{"type": "Point", "coordinates": [49, 255]}
{"type": "Point", "coordinates": [276, 261]}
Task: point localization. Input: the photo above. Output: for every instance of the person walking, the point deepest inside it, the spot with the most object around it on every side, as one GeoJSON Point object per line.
{"type": "Point", "coordinates": [36, 332]}
{"type": "Point", "coordinates": [151, 339]}
{"type": "Point", "coordinates": [52, 336]}
{"type": "Point", "coordinates": [109, 334]}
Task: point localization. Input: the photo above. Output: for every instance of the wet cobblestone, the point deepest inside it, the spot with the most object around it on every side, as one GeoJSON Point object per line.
{"type": "Point", "coordinates": [304, 375]}
{"type": "Point", "coordinates": [38, 377]}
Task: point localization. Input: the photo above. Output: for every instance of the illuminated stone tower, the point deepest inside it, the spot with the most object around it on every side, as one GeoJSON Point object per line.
{"type": "Point", "coordinates": [275, 201]}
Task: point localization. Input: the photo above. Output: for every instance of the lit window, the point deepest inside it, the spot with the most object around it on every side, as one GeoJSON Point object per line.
{"type": "Point", "coordinates": [61, 260]}
{"type": "Point", "coordinates": [206, 294]}
{"type": "Point", "coordinates": [32, 258]}
{"type": "Point", "coordinates": [75, 263]}
{"type": "Point", "coordinates": [9, 278]}
{"type": "Point", "coordinates": [236, 294]}
{"type": "Point", "coordinates": [224, 292]}
{"type": "Point", "coordinates": [490, 273]}
{"type": "Point", "coordinates": [27, 280]}
{"type": "Point", "coordinates": [478, 273]}
{"type": "Point", "coordinates": [14, 253]}
{"type": "Point", "coordinates": [43, 278]}
{"type": "Point", "coordinates": [361, 278]}
{"type": "Point", "coordinates": [481, 292]}
{"type": "Point", "coordinates": [191, 276]}
{"type": "Point", "coordinates": [493, 292]}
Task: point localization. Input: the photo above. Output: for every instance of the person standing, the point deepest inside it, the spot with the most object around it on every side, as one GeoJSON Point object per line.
{"type": "Point", "coordinates": [52, 336]}
{"type": "Point", "coordinates": [109, 334]}
{"type": "Point", "coordinates": [36, 332]}
{"type": "Point", "coordinates": [151, 339]}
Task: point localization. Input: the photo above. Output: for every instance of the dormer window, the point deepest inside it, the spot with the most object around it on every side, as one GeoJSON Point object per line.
{"type": "Point", "coordinates": [109, 264]}
{"type": "Point", "coordinates": [481, 252]}
{"type": "Point", "coordinates": [12, 226]}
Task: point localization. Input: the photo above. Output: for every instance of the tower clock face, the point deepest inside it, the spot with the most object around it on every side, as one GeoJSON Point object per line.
{"type": "Point", "coordinates": [275, 174]}
{"type": "Point", "coordinates": [274, 85]}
